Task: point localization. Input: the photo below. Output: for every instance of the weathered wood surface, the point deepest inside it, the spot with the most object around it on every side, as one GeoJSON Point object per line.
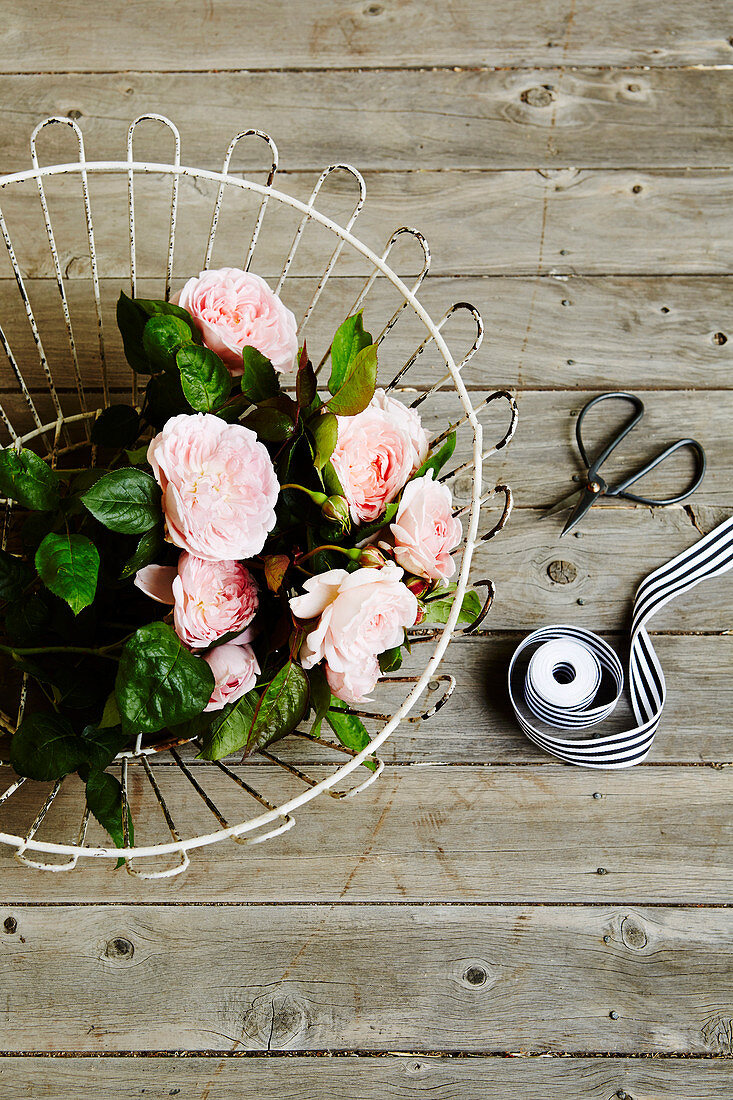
{"type": "Point", "coordinates": [371, 1077]}
{"type": "Point", "coordinates": [673, 332]}
{"type": "Point", "coordinates": [332, 34]}
{"type": "Point", "coordinates": [451, 119]}
{"type": "Point", "coordinates": [564, 221]}
{"type": "Point", "coordinates": [569, 165]}
{"type": "Point", "coordinates": [511, 834]}
{"type": "Point", "coordinates": [609, 978]}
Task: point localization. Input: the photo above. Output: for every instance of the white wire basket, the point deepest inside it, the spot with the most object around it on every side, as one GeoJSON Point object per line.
{"type": "Point", "coordinates": [156, 222]}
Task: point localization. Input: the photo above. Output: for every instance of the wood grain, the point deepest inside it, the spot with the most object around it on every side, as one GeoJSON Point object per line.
{"type": "Point", "coordinates": [460, 118]}
{"type": "Point", "coordinates": [635, 332]}
{"type": "Point", "coordinates": [525, 222]}
{"type": "Point", "coordinates": [332, 1078]}
{"type": "Point", "coordinates": [331, 34]}
{"type": "Point", "coordinates": [467, 979]}
{"type": "Point", "coordinates": [499, 834]}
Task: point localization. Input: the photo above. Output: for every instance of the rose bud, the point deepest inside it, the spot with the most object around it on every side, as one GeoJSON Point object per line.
{"type": "Point", "coordinates": [418, 585]}
{"type": "Point", "coordinates": [336, 510]}
{"type": "Point", "coordinates": [372, 557]}
{"type": "Point", "coordinates": [420, 616]}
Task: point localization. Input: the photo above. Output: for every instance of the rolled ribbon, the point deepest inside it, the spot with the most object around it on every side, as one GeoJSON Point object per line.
{"type": "Point", "coordinates": [574, 679]}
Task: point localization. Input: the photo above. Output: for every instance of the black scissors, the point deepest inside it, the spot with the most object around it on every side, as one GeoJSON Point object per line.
{"type": "Point", "coordinates": [595, 487]}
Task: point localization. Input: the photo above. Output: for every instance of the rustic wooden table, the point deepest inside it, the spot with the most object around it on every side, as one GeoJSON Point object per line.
{"type": "Point", "coordinates": [483, 922]}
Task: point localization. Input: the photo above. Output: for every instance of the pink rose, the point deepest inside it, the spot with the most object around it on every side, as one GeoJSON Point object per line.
{"type": "Point", "coordinates": [211, 599]}
{"type": "Point", "coordinates": [360, 614]}
{"type": "Point", "coordinates": [219, 486]}
{"type": "Point", "coordinates": [234, 309]}
{"type": "Point", "coordinates": [425, 531]}
{"type": "Point", "coordinates": [377, 451]}
{"type": "Point", "coordinates": [235, 671]}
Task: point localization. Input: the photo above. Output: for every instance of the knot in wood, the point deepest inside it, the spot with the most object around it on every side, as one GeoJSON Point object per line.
{"type": "Point", "coordinates": [633, 934]}
{"type": "Point", "coordinates": [10, 925]}
{"type": "Point", "coordinates": [276, 1018]}
{"type": "Point", "coordinates": [562, 572]}
{"type": "Point", "coordinates": [119, 948]}
{"type": "Point", "coordinates": [541, 96]}
{"type": "Point", "coordinates": [475, 975]}
{"type": "Point", "coordinates": [720, 338]}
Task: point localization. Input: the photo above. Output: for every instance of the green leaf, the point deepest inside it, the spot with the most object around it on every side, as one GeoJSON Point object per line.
{"type": "Point", "coordinates": [437, 610]}
{"type": "Point", "coordinates": [104, 799]}
{"type": "Point", "coordinates": [116, 426]}
{"type": "Point", "coordinates": [260, 379]}
{"type": "Point", "coordinates": [146, 551]}
{"type": "Point", "coordinates": [159, 683]}
{"type": "Point", "coordinates": [257, 720]}
{"type": "Point", "coordinates": [25, 478]}
{"type": "Point", "coordinates": [131, 323]}
{"type": "Point", "coordinates": [386, 517]}
{"type": "Point", "coordinates": [110, 714]}
{"type": "Point", "coordinates": [306, 383]}
{"type": "Point", "coordinates": [26, 619]}
{"type": "Point", "coordinates": [101, 746]}
{"type": "Point", "coordinates": [349, 340]}
{"type": "Point", "coordinates": [152, 307]}
{"type": "Point", "coordinates": [357, 388]}
{"type": "Point", "coordinates": [270, 424]}
{"type": "Point", "coordinates": [331, 482]}
{"type": "Point", "coordinates": [125, 500]}
{"type": "Point", "coordinates": [45, 747]}
{"type": "Point", "coordinates": [164, 398]}
{"type": "Point", "coordinates": [68, 565]}
{"type": "Point", "coordinates": [138, 456]}
{"type": "Point", "coordinates": [205, 380]}
{"type": "Point", "coordinates": [391, 659]}
{"type": "Point", "coordinates": [350, 731]}
{"type": "Point", "coordinates": [162, 337]}
{"type": "Point", "coordinates": [324, 429]}
{"type": "Point", "coordinates": [15, 576]}
{"type": "Point", "coordinates": [437, 461]}
{"type": "Point", "coordinates": [320, 697]}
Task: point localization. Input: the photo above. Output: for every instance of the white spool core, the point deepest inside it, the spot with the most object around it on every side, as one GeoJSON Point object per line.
{"type": "Point", "coordinates": [563, 673]}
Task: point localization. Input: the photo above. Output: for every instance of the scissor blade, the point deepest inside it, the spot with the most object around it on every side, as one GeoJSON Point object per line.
{"type": "Point", "coordinates": [587, 499]}
{"type": "Point", "coordinates": [568, 501]}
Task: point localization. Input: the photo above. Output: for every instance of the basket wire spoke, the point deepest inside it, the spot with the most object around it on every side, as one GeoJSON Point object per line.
{"type": "Point", "coordinates": [152, 767]}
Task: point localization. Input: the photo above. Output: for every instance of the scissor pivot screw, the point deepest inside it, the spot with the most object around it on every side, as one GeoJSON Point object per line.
{"type": "Point", "coordinates": [594, 487]}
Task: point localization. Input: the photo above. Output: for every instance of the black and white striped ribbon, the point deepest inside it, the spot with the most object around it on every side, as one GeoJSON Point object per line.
{"type": "Point", "coordinates": [574, 679]}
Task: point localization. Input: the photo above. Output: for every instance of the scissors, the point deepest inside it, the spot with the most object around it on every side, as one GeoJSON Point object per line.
{"type": "Point", "coordinates": [595, 487]}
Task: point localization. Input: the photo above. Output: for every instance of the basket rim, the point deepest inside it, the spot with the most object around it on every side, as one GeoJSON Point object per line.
{"type": "Point", "coordinates": [443, 640]}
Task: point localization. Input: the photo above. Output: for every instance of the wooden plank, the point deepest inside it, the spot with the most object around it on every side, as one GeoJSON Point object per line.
{"type": "Point", "coordinates": [438, 118]}
{"type": "Point", "coordinates": [400, 1076]}
{"type": "Point", "coordinates": [330, 34]}
{"type": "Point", "coordinates": [547, 423]}
{"type": "Point", "coordinates": [511, 834]}
{"type": "Point", "coordinates": [694, 729]}
{"type": "Point", "coordinates": [525, 222]}
{"type": "Point", "coordinates": [619, 332]}
{"type": "Point", "coordinates": [471, 978]}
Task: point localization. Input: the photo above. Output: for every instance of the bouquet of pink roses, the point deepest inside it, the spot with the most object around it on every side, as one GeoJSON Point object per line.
{"type": "Point", "coordinates": [237, 558]}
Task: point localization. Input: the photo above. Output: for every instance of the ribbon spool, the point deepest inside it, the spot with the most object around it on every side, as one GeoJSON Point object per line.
{"type": "Point", "coordinates": [574, 679]}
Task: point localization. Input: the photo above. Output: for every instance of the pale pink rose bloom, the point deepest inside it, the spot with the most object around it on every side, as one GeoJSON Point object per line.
{"type": "Point", "coordinates": [235, 671]}
{"type": "Point", "coordinates": [377, 451]}
{"type": "Point", "coordinates": [425, 531]}
{"type": "Point", "coordinates": [211, 599]}
{"type": "Point", "coordinates": [219, 486]}
{"type": "Point", "coordinates": [360, 614]}
{"type": "Point", "coordinates": [156, 581]}
{"type": "Point", "coordinates": [353, 684]}
{"type": "Point", "coordinates": [234, 309]}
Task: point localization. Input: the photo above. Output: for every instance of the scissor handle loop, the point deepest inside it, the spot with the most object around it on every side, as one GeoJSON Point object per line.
{"type": "Point", "coordinates": [700, 464]}
{"type": "Point", "coordinates": [595, 465]}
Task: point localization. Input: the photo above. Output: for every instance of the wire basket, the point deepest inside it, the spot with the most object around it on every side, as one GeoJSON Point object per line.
{"type": "Point", "coordinates": [65, 365]}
